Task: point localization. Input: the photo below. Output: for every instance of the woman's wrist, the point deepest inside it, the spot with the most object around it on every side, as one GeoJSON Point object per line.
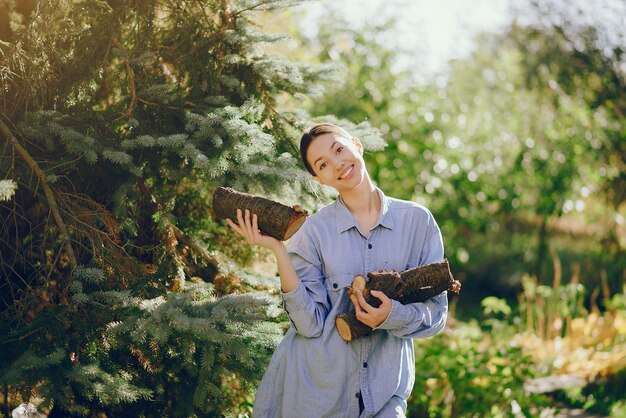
{"type": "Point", "coordinates": [279, 249]}
{"type": "Point", "coordinates": [288, 277]}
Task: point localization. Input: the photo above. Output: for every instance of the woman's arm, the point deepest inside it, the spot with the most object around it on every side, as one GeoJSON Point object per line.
{"type": "Point", "coordinates": [417, 320]}
{"type": "Point", "coordinates": [289, 279]}
{"type": "Point", "coordinates": [413, 320]}
{"type": "Point", "coordinates": [249, 229]}
{"type": "Point", "coordinates": [304, 301]}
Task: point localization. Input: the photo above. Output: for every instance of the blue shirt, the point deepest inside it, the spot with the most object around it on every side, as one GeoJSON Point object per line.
{"type": "Point", "coordinates": [314, 372]}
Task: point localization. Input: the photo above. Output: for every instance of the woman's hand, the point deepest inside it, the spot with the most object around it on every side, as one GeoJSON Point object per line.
{"type": "Point", "coordinates": [369, 315]}
{"type": "Point", "coordinates": [298, 208]}
{"type": "Point", "coordinates": [249, 229]}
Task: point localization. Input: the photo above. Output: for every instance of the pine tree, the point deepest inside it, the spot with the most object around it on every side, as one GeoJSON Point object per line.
{"type": "Point", "coordinates": [118, 119]}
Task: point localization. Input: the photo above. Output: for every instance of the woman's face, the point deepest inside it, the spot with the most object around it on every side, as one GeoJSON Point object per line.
{"type": "Point", "coordinates": [337, 161]}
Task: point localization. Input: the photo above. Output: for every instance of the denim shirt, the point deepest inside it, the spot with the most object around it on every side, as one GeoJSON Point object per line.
{"type": "Point", "coordinates": [314, 372]}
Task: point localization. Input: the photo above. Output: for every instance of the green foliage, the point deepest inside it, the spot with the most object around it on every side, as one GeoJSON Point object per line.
{"type": "Point", "coordinates": [134, 354]}
{"type": "Point", "coordinates": [468, 372]}
{"type": "Point", "coordinates": [512, 150]}
{"type": "Point", "coordinates": [494, 305]}
{"type": "Point", "coordinates": [482, 369]}
{"type": "Point", "coordinates": [617, 302]}
{"type": "Point", "coordinates": [618, 409]}
{"type": "Point", "coordinates": [518, 151]}
{"type": "Point", "coordinates": [118, 121]}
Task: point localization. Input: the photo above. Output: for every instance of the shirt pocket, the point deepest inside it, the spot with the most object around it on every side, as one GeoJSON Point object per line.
{"type": "Point", "coordinates": [337, 284]}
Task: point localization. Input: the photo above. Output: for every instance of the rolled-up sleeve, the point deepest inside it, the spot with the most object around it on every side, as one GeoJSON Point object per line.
{"type": "Point", "coordinates": [417, 320]}
{"type": "Point", "coordinates": [421, 319]}
{"type": "Point", "coordinates": [307, 305]}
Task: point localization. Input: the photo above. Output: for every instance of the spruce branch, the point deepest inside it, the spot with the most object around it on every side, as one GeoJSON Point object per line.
{"type": "Point", "coordinates": [22, 337]}
{"type": "Point", "coordinates": [32, 164]}
{"type": "Point", "coordinates": [149, 103]}
{"type": "Point", "coordinates": [134, 97]}
{"type": "Point", "coordinates": [189, 242]}
{"type": "Point", "coordinates": [175, 235]}
{"type": "Point", "coordinates": [264, 5]}
{"type": "Point", "coordinates": [131, 79]}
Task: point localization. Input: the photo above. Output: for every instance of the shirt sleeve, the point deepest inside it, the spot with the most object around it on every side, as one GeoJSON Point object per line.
{"type": "Point", "coordinates": [307, 305]}
{"type": "Point", "coordinates": [421, 319]}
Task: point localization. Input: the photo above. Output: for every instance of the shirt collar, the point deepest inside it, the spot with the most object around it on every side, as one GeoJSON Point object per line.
{"type": "Point", "coordinates": [345, 220]}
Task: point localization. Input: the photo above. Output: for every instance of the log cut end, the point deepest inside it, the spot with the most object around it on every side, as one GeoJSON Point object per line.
{"type": "Point", "coordinates": [358, 284]}
{"type": "Point", "coordinates": [296, 222]}
{"type": "Point", "coordinates": [350, 328]}
{"type": "Point", "coordinates": [344, 329]}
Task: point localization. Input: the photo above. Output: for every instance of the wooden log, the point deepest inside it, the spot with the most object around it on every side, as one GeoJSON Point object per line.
{"type": "Point", "coordinates": [415, 285]}
{"type": "Point", "coordinates": [274, 219]}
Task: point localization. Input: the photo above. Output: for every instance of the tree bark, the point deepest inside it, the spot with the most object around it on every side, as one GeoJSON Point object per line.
{"type": "Point", "coordinates": [32, 164]}
{"type": "Point", "coordinates": [415, 285]}
{"type": "Point", "coordinates": [275, 219]}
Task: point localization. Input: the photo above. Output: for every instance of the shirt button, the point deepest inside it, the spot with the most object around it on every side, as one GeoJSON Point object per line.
{"type": "Point", "coordinates": [358, 394]}
{"type": "Point", "coordinates": [365, 364]}
{"type": "Point", "coordinates": [335, 285]}
{"type": "Point", "coordinates": [369, 246]}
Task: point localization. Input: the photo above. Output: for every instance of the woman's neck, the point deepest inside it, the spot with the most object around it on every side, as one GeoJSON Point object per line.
{"type": "Point", "coordinates": [363, 200]}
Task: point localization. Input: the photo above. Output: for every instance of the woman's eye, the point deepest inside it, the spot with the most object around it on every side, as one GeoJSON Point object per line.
{"type": "Point", "coordinates": [322, 166]}
{"type": "Point", "coordinates": [339, 149]}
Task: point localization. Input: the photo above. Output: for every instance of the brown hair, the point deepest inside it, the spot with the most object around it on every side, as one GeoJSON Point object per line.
{"type": "Point", "coordinates": [310, 134]}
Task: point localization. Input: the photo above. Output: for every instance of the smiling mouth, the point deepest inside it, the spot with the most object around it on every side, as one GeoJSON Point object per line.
{"type": "Point", "coordinates": [347, 172]}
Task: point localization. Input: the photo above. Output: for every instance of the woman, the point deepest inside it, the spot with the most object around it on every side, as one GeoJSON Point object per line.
{"type": "Point", "coordinates": [313, 372]}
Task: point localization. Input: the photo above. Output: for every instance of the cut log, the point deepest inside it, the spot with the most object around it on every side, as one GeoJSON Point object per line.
{"type": "Point", "coordinates": [274, 219]}
{"type": "Point", "coordinates": [415, 285]}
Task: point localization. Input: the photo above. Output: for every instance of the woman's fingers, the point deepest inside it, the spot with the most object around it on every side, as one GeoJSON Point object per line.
{"type": "Point", "coordinates": [362, 308]}
{"type": "Point", "coordinates": [357, 306]}
{"type": "Point", "coordinates": [364, 305]}
{"type": "Point", "coordinates": [240, 220]}
{"type": "Point", "coordinates": [255, 226]}
{"type": "Point", "coordinates": [247, 222]}
{"type": "Point", "coordinates": [298, 208]}
{"type": "Point", "coordinates": [244, 224]}
{"type": "Point", "coordinates": [370, 315]}
{"type": "Point", "coordinates": [233, 225]}
{"type": "Point", "coordinates": [250, 227]}
{"type": "Point", "coordinates": [247, 225]}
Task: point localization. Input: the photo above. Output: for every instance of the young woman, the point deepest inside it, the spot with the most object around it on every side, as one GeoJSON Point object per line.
{"type": "Point", "coordinates": [314, 373]}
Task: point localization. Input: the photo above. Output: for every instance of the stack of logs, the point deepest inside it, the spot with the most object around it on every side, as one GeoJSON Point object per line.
{"type": "Point", "coordinates": [415, 285]}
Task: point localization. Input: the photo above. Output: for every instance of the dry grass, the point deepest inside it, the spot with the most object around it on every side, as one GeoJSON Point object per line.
{"type": "Point", "coordinates": [564, 336]}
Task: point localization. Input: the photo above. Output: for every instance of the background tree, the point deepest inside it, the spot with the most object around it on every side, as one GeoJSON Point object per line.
{"type": "Point", "coordinates": [519, 160]}
{"type": "Point", "coordinates": [577, 53]}
{"type": "Point", "coordinates": [118, 119]}
{"type": "Point", "coordinates": [511, 162]}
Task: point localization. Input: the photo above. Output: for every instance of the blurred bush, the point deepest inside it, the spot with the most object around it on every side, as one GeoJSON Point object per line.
{"type": "Point", "coordinates": [518, 149]}
{"type": "Point", "coordinates": [471, 372]}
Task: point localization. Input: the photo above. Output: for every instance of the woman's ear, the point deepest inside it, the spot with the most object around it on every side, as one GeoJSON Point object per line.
{"type": "Point", "coordinates": [357, 143]}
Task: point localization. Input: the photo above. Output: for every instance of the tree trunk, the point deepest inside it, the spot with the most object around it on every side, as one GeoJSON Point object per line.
{"type": "Point", "coordinates": [275, 219]}
{"type": "Point", "coordinates": [542, 246]}
{"type": "Point", "coordinates": [415, 285]}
